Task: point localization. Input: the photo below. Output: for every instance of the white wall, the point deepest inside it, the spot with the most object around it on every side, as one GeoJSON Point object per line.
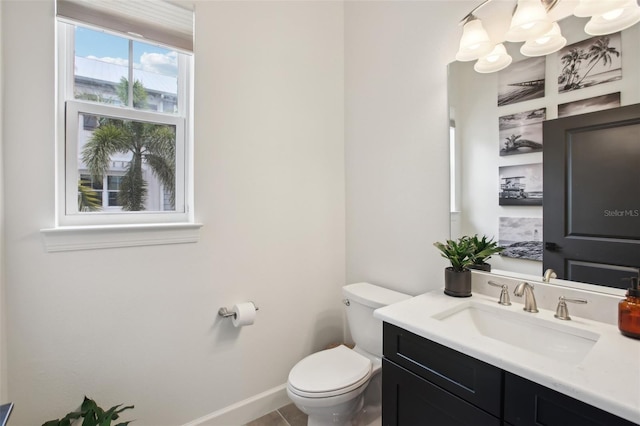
{"type": "Point", "coordinates": [397, 153]}
{"type": "Point", "coordinates": [139, 325]}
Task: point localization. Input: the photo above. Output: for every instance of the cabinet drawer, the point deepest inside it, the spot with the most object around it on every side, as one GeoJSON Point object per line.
{"type": "Point", "coordinates": [409, 400]}
{"type": "Point", "coordinates": [468, 378]}
{"type": "Point", "coordinates": [528, 403]}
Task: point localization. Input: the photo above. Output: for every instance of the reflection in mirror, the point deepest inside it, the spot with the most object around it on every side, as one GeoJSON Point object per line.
{"type": "Point", "coordinates": [477, 165]}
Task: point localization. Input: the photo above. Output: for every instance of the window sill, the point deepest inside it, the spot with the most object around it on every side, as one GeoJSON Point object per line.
{"type": "Point", "coordinates": [70, 238]}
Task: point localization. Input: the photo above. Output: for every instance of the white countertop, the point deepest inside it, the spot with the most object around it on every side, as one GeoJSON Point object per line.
{"type": "Point", "coordinates": [608, 377]}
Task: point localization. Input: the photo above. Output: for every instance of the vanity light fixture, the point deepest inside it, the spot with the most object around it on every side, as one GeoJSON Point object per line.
{"type": "Point", "coordinates": [615, 19]}
{"type": "Point", "coordinates": [529, 21]}
{"type": "Point", "coordinates": [550, 42]}
{"type": "Point", "coordinates": [497, 60]}
{"type": "Point", "coordinates": [530, 24]}
{"type": "Point", "coordinates": [475, 41]}
{"type": "Point", "coordinates": [588, 8]}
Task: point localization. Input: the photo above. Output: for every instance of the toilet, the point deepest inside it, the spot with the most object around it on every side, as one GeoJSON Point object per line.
{"type": "Point", "coordinates": [340, 385]}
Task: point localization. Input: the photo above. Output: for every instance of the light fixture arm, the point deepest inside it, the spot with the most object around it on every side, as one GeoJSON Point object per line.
{"type": "Point", "coordinates": [471, 15]}
{"type": "Point", "coordinates": [548, 4]}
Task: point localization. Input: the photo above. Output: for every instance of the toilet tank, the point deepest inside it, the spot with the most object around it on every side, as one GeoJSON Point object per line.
{"type": "Point", "coordinates": [364, 298]}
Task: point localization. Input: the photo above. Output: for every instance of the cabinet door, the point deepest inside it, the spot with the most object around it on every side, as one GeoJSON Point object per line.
{"type": "Point", "coordinates": [472, 380]}
{"type": "Point", "coordinates": [528, 403]}
{"type": "Point", "coordinates": [409, 400]}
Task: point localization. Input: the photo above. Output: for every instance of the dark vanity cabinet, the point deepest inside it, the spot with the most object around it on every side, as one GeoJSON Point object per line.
{"type": "Point", "coordinates": [425, 383]}
{"type": "Point", "coordinates": [528, 403]}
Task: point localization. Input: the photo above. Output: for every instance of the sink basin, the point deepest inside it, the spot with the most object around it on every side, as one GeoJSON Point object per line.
{"type": "Point", "coordinates": [553, 339]}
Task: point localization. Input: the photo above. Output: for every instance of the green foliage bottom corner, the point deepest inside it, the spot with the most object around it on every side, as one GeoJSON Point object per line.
{"type": "Point", "coordinates": [92, 414]}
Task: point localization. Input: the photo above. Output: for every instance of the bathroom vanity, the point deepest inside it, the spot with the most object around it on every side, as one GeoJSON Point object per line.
{"type": "Point", "coordinates": [425, 380]}
{"type": "Point", "coordinates": [473, 362]}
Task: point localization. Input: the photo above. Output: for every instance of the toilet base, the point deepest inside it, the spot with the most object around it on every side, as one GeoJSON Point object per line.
{"type": "Point", "coordinates": [363, 410]}
{"type": "Point", "coordinates": [342, 417]}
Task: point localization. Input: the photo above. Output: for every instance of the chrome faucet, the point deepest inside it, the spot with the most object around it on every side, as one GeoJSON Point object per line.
{"type": "Point", "coordinates": [548, 274]}
{"type": "Point", "coordinates": [561, 311]}
{"type": "Point", "coordinates": [529, 299]}
{"type": "Point", "coordinates": [504, 294]}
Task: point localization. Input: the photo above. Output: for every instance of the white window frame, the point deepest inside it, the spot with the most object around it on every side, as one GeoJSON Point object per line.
{"type": "Point", "coordinates": [80, 230]}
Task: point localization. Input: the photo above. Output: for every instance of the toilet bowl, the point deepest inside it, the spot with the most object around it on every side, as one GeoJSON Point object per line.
{"type": "Point", "coordinates": [332, 386]}
{"type": "Point", "coordinates": [328, 386]}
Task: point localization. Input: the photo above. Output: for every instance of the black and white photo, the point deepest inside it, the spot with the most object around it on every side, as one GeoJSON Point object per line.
{"type": "Point", "coordinates": [522, 81]}
{"type": "Point", "coordinates": [521, 237]}
{"type": "Point", "coordinates": [521, 133]}
{"type": "Point", "coordinates": [521, 185]}
{"type": "Point", "coordinates": [597, 60]}
{"type": "Point", "coordinates": [583, 106]}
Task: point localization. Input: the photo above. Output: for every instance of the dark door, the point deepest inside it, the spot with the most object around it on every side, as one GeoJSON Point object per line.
{"type": "Point", "coordinates": [591, 213]}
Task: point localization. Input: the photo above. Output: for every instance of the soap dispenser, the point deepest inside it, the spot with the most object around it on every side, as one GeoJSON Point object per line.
{"type": "Point", "coordinates": [629, 311]}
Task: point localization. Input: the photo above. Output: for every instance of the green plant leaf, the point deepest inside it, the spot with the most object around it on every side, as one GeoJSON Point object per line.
{"type": "Point", "coordinates": [90, 419]}
{"type": "Point", "coordinates": [128, 407]}
{"type": "Point", "coordinates": [92, 414]}
{"type": "Point", "coordinates": [457, 252]}
{"type": "Point", "coordinates": [483, 248]}
{"type": "Point", "coordinates": [112, 414]}
{"type": "Point", "coordinates": [88, 404]}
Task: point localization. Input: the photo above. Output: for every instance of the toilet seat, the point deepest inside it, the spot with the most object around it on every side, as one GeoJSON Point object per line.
{"type": "Point", "coordinates": [329, 373]}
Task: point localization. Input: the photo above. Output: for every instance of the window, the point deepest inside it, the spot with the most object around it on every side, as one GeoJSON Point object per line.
{"type": "Point", "coordinates": [453, 169]}
{"type": "Point", "coordinates": [124, 118]}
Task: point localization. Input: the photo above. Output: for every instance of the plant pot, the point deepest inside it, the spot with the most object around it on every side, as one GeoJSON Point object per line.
{"type": "Point", "coordinates": [481, 267]}
{"type": "Point", "coordinates": [457, 283]}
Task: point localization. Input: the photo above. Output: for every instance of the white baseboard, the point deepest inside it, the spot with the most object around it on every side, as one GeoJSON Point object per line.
{"type": "Point", "coordinates": [244, 411]}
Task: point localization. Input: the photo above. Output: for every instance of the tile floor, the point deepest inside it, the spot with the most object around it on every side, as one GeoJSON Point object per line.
{"type": "Point", "coordinates": [289, 415]}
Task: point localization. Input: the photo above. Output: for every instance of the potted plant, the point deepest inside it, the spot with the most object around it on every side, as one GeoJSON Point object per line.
{"type": "Point", "coordinates": [483, 249]}
{"type": "Point", "coordinates": [457, 277]}
{"type": "Point", "coordinates": [92, 414]}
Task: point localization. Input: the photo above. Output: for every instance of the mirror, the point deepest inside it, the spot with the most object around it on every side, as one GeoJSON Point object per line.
{"type": "Point", "coordinates": [476, 164]}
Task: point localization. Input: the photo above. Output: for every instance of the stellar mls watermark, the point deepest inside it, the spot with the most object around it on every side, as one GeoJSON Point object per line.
{"type": "Point", "coordinates": [622, 213]}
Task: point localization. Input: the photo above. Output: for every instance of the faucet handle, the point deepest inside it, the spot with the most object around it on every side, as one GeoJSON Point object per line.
{"type": "Point", "coordinates": [548, 275]}
{"type": "Point", "coordinates": [562, 312]}
{"type": "Point", "coordinates": [504, 294]}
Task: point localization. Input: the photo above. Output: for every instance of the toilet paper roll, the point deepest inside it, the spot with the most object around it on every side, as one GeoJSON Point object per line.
{"type": "Point", "coordinates": [244, 314]}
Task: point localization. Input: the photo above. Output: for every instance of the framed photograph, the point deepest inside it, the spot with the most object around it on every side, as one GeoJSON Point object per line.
{"type": "Point", "coordinates": [597, 60]}
{"type": "Point", "coordinates": [521, 81]}
{"type": "Point", "coordinates": [521, 237]}
{"type": "Point", "coordinates": [521, 185]}
{"type": "Point", "coordinates": [583, 106]}
{"type": "Point", "coordinates": [522, 132]}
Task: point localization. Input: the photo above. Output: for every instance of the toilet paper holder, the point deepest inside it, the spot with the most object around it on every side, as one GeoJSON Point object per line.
{"type": "Point", "coordinates": [226, 313]}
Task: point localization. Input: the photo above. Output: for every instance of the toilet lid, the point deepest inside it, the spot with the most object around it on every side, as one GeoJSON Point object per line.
{"type": "Point", "coordinates": [330, 372]}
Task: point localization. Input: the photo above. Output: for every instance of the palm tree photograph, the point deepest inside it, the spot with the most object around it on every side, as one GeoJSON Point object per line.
{"type": "Point", "coordinates": [521, 133]}
{"type": "Point", "coordinates": [594, 61]}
